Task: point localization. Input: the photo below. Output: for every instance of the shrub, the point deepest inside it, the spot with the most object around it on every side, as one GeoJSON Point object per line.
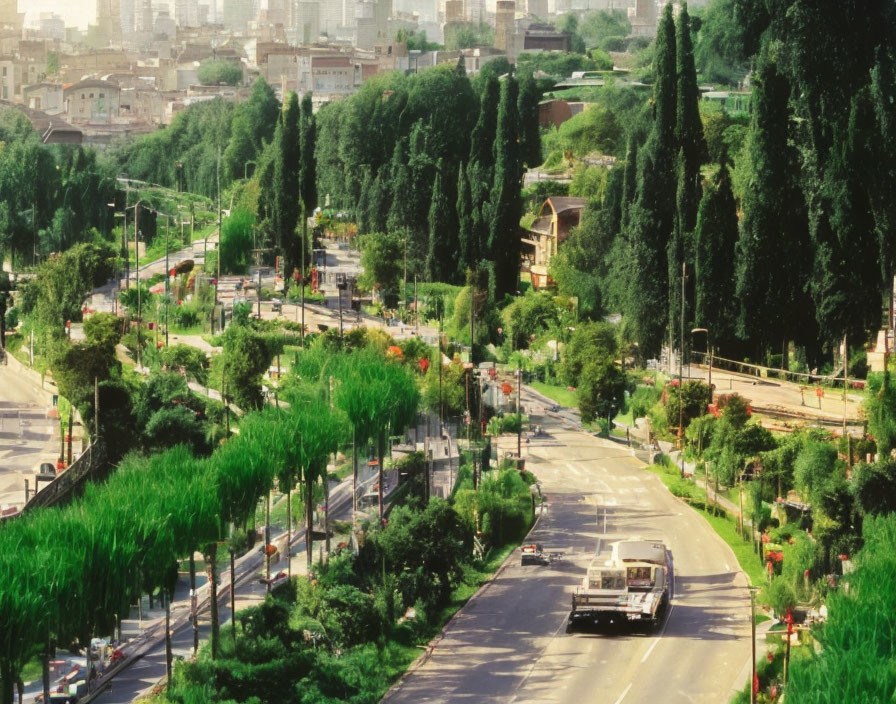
{"type": "Point", "coordinates": [601, 390]}
{"type": "Point", "coordinates": [350, 616]}
{"type": "Point", "coordinates": [690, 401]}
{"type": "Point", "coordinates": [781, 596]}
{"type": "Point", "coordinates": [643, 398]}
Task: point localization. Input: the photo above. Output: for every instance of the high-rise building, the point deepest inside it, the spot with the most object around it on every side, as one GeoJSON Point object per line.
{"type": "Point", "coordinates": [454, 11]}
{"type": "Point", "coordinates": [108, 20]}
{"type": "Point", "coordinates": [505, 14]}
{"type": "Point", "coordinates": [237, 14]}
{"type": "Point", "coordinates": [643, 18]}
{"type": "Point", "coordinates": [476, 11]}
{"type": "Point", "coordinates": [9, 14]}
{"type": "Point", "coordinates": [143, 21]}
{"type": "Point", "coordinates": [186, 13]}
{"type": "Point", "coordinates": [278, 12]}
{"type": "Point", "coordinates": [382, 14]}
{"type": "Point", "coordinates": [52, 26]}
{"type": "Point", "coordinates": [537, 8]}
{"type": "Point", "coordinates": [126, 12]}
{"type": "Point", "coordinates": [307, 21]}
{"type": "Point", "coordinates": [365, 24]}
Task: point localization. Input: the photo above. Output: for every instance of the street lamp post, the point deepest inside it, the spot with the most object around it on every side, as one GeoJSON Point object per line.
{"type": "Point", "coordinates": [167, 277]}
{"type": "Point", "coordinates": [684, 270]}
{"type": "Point", "coordinates": [708, 356]}
{"type": "Point", "coordinates": [753, 681]}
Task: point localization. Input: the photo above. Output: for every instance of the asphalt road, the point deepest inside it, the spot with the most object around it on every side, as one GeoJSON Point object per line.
{"type": "Point", "coordinates": [26, 436]}
{"type": "Point", "coordinates": [509, 644]}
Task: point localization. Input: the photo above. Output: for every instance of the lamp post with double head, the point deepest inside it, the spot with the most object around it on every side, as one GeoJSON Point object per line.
{"type": "Point", "coordinates": [708, 357]}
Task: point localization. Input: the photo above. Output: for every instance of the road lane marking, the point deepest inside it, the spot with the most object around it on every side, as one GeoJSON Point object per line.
{"type": "Point", "coordinates": [650, 649]}
{"type": "Point", "coordinates": [660, 636]}
{"type": "Point", "coordinates": [624, 692]}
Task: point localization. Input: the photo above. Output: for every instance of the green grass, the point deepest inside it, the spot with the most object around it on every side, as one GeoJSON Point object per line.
{"type": "Point", "coordinates": [559, 394]}
{"type": "Point", "coordinates": [32, 671]}
{"type": "Point", "coordinates": [625, 419]}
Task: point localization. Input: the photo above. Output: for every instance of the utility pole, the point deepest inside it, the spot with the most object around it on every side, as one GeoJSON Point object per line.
{"type": "Point", "coordinates": [124, 237]}
{"type": "Point", "coordinates": [218, 277]}
{"type": "Point", "coordinates": [339, 286]}
{"type": "Point", "coordinates": [753, 633]}
{"type": "Point", "coordinates": [519, 411]}
{"type": "Point", "coordinates": [302, 282]}
{"type": "Point", "coordinates": [259, 293]}
{"type": "Point", "coordinates": [684, 267]}
{"type": "Point", "coordinates": [416, 307]}
{"type": "Point", "coordinates": [845, 379]}
{"type": "Point", "coordinates": [472, 313]}
{"type": "Point", "coordinates": [137, 277]}
{"type": "Point", "coordinates": [404, 290]}
{"type": "Point", "coordinates": [167, 278]}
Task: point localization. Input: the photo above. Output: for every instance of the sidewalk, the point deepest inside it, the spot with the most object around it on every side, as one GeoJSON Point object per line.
{"type": "Point", "coordinates": [143, 666]}
{"type": "Point", "coordinates": [144, 662]}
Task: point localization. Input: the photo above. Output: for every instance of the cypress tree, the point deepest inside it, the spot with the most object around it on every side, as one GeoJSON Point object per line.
{"type": "Point", "coordinates": [273, 174]}
{"type": "Point", "coordinates": [652, 215]}
{"type": "Point", "coordinates": [421, 172]}
{"type": "Point", "coordinates": [480, 165]}
{"type": "Point", "coordinates": [286, 183]}
{"type": "Point", "coordinates": [677, 251]}
{"type": "Point", "coordinates": [443, 245]}
{"type": "Point", "coordinates": [467, 246]}
{"type": "Point", "coordinates": [378, 203]}
{"type": "Point", "coordinates": [883, 98]}
{"type": "Point", "coordinates": [530, 135]}
{"type": "Point", "coordinates": [504, 231]}
{"type": "Point", "coordinates": [847, 285]}
{"type": "Point", "coordinates": [399, 217]}
{"type": "Point", "coordinates": [308, 169]}
{"type": "Point", "coordinates": [692, 153]}
{"type": "Point", "coordinates": [688, 126]}
{"type": "Point", "coordinates": [773, 244]}
{"type": "Point", "coordinates": [715, 240]}
{"type": "Point", "coordinates": [630, 178]}
{"type": "Point", "coordinates": [363, 207]}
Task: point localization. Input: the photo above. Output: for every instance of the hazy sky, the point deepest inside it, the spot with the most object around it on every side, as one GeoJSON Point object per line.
{"type": "Point", "coordinates": [75, 12]}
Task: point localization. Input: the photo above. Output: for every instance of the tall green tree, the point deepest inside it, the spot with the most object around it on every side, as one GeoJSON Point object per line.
{"type": "Point", "coordinates": [468, 254]}
{"type": "Point", "coordinates": [504, 232]}
{"type": "Point", "coordinates": [240, 149]}
{"type": "Point", "coordinates": [480, 165]}
{"type": "Point", "coordinates": [308, 168]}
{"type": "Point", "coordinates": [715, 240]}
{"type": "Point", "coordinates": [652, 215]}
{"type": "Point", "coordinates": [285, 188]}
{"type": "Point", "coordinates": [847, 285]}
{"type": "Point", "coordinates": [774, 237]}
{"type": "Point", "coordinates": [688, 126]}
{"type": "Point", "coordinates": [262, 110]}
{"type": "Point", "coordinates": [530, 134]}
{"type": "Point", "coordinates": [443, 237]}
{"type": "Point", "coordinates": [691, 155]}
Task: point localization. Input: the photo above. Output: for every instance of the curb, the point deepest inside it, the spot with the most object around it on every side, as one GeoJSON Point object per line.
{"type": "Point", "coordinates": [429, 647]}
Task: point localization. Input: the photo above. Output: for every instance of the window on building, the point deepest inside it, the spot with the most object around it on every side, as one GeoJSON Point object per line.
{"type": "Point", "coordinates": [4, 70]}
{"type": "Point", "coordinates": [102, 95]}
{"type": "Point", "coordinates": [91, 95]}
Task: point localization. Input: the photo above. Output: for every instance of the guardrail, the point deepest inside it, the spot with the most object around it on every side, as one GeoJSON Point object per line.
{"type": "Point", "coordinates": [758, 370]}
{"type": "Point", "coordinates": [91, 462]}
